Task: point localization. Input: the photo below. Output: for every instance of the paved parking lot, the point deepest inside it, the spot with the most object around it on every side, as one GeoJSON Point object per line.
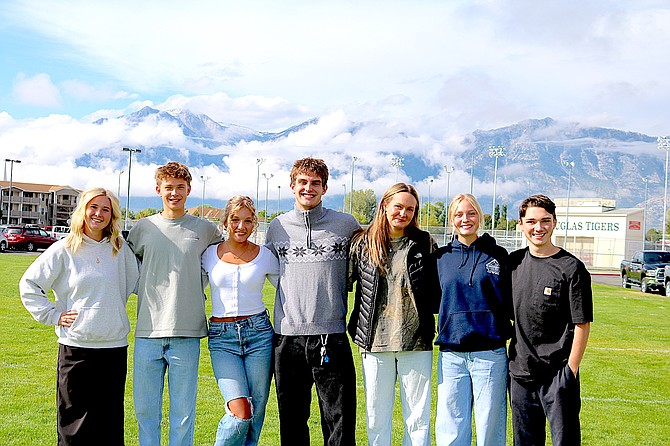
{"type": "Point", "coordinates": [606, 278]}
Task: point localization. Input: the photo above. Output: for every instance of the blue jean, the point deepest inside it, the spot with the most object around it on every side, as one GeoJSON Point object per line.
{"type": "Point", "coordinates": [241, 355]}
{"type": "Point", "coordinates": [380, 372]}
{"type": "Point", "coordinates": [470, 379]}
{"type": "Point", "coordinates": [153, 357]}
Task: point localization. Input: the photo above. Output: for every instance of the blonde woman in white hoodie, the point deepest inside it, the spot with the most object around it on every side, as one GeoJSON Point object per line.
{"type": "Point", "coordinates": [91, 272]}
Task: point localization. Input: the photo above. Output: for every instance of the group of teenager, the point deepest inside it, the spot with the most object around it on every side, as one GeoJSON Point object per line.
{"type": "Point", "coordinates": [540, 297]}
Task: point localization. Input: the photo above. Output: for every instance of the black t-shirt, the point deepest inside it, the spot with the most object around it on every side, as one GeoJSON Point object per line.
{"type": "Point", "coordinates": [550, 295]}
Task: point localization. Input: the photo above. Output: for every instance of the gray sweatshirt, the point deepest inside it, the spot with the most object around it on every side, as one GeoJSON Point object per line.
{"type": "Point", "coordinates": [312, 248]}
{"type": "Point", "coordinates": [171, 296]}
{"type": "Point", "coordinates": [91, 281]}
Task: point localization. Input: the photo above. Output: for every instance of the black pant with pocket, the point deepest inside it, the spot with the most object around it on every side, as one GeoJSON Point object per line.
{"type": "Point", "coordinates": [91, 384]}
{"type": "Point", "coordinates": [556, 399]}
{"type": "Point", "coordinates": [301, 363]}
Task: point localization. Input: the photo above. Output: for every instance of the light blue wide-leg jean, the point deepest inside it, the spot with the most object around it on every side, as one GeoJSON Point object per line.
{"type": "Point", "coordinates": [470, 379]}
{"type": "Point", "coordinates": [241, 355]}
{"type": "Point", "coordinates": [152, 358]}
{"type": "Point", "coordinates": [380, 372]}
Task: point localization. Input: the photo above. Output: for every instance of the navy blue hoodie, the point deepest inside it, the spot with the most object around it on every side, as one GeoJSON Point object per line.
{"type": "Point", "coordinates": [476, 299]}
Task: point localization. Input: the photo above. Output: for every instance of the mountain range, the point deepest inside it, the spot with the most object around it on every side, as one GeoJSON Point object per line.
{"type": "Point", "coordinates": [541, 153]}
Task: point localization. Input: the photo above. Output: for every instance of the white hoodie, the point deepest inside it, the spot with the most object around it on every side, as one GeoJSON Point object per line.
{"type": "Point", "coordinates": [91, 281]}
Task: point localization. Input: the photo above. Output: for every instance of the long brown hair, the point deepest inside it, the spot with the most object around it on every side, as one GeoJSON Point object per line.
{"type": "Point", "coordinates": [376, 236]}
{"type": "Point", "coordinates": [77, 220]}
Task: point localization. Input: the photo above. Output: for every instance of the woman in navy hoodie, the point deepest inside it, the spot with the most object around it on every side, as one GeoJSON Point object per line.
{"type": "Point", "coordinates": [473, 328]}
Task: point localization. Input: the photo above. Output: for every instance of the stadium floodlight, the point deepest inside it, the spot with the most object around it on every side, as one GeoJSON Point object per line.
{"type": "Point", "coordinates": [495, 152]}
{"type": "Point", "coordinates": [448, 170]}
{"type": "Point", "coordinates": [130, 164]}
{"type": "Point", "coordinates": [570, 165]}
{"type": "Point", "coordinates": [397, 162]}
{"type": "Point", "coordinates": [11, 185]}
{"type": "Point", "coordinates": [664, 144]}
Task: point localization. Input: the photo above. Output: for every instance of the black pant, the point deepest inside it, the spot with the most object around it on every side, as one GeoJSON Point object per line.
{"type": "Point", "coordinates": [557, 399]}
{"type": "Point", "coordinates": [298, 366]}
{"type": "Point", "coordinates": [91, 384]}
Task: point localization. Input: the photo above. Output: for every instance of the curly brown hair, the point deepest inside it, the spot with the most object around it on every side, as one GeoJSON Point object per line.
{"type": "Point", "coordinates": [173, 169]}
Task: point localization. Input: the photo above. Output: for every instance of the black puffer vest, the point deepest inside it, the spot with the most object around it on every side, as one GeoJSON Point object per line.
{"type": "Point", "coordinates": [366, 275]}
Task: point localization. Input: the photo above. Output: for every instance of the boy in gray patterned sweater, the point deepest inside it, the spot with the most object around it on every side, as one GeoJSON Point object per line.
{"type": "Point", "coordinates": [311, 346]}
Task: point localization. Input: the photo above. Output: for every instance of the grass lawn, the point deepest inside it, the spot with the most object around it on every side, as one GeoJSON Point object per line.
{"type": "Point", "coordinates": [625, 376]}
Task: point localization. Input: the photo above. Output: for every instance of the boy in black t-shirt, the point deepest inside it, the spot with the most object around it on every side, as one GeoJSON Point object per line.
{"type": "Point", "coordinates": [553, 309]}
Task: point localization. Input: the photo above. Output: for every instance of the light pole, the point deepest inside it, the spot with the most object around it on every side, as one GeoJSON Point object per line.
{"type": "Point", "coordinates": [495, 152]}
{"type": "Point", "coordinates": [267, 186]}
{"type": "Point", "coordinates": [278, 199]}
{"type": "Point", "coordinates": [472, 174]}
{"type": "Point", "coordinates": [430, 183]}
{"type": "Point", "coordinates": [397, 162]}
{"type": "Point", "coordinates": [344, 200]}
{"type": "Point", "coordinates": [351, 199]}
{"type": "Point", "coordinates": [570, 165]}
{"type": "Point", "coordinates": [644, 213]}
{"type": "Point", "coordinates": [446, 203]}
{"type": "Point", "coordinates": [130, 164]}
{"type": "Point", "coordinates": [118, 189]}
{"type": "Point", "coordinates": [11, 185]}
{"type": "Point", "coordinates": [259, 161]}
{"type": "Point", "coordinates": [202, 205]}
{"type": "Point", "coordinates": [664, 144]}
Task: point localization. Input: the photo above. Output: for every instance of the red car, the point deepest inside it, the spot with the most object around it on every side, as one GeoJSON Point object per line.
{"type": "Point", "coordinates": [29, 238]}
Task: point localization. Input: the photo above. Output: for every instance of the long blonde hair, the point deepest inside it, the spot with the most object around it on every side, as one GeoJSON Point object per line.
{"type": "Point", "coordinates": [77, 220]}
{"type": "Point", "coordinates": [376, 236]}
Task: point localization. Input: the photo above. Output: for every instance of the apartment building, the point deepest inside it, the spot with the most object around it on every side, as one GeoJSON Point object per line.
{"type": "Point", "coordinates": [40, 204]}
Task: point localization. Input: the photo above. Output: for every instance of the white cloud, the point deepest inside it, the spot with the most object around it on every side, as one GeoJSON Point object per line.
{"type": "Point", "coordinates": [84, 91]}
{"type": "Point", "coordinates": [420, 75]}
{"type": "Point", "coordinates": [257, 112]}
{"type": "Point", "coordinates": [480, 64]}
{"type": "Point", "coordinates": [37, 90]}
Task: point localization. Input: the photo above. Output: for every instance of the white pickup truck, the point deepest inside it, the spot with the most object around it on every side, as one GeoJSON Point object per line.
{"type": "Point", "coordinates": [59, 232]}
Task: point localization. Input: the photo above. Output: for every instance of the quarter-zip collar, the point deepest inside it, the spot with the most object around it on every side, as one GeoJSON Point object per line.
{"type": "Point", "coordinates": [308, 217]}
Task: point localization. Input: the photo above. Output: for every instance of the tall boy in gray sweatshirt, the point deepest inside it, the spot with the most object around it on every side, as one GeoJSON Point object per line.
{"type": "Point", "coordinates": [170, 309]}
{"type": "Point", "coordinates": [311, 346]}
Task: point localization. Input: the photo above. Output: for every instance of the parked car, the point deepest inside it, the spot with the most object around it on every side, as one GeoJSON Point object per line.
{"type": "Point", "coordinates": [3, 242]}
{"type": "Point", "coordinates": [647, 270]}
{"type": "Point", "coordinates": [58, 232]}
{"type": "Point", "coordinates": [666, 272]}
{"type": "Point", "coordinates": [28, 238]}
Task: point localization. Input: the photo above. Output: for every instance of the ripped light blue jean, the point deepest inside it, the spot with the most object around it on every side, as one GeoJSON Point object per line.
{"type": "Point", "coordinates": [241, 355]}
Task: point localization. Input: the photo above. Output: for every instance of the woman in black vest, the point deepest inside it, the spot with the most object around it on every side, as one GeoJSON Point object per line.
{"type": "Point", "coordinates": [392, 321]}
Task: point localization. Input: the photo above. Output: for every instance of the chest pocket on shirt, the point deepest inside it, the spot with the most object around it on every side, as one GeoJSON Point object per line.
{"type": "Point", "coordinates": [548, 294]}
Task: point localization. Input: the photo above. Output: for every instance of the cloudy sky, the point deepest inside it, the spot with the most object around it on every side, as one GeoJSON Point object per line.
{"type": "Point", "coordinates": [431, 69]}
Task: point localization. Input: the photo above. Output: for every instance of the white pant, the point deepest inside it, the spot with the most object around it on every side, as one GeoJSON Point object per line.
{"type": "Point", "coordinates": [379, 377]}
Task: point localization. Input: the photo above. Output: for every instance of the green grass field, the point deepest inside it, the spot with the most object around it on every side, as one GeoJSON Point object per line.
{"type": "Point", "coordinates": [625, 375]}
